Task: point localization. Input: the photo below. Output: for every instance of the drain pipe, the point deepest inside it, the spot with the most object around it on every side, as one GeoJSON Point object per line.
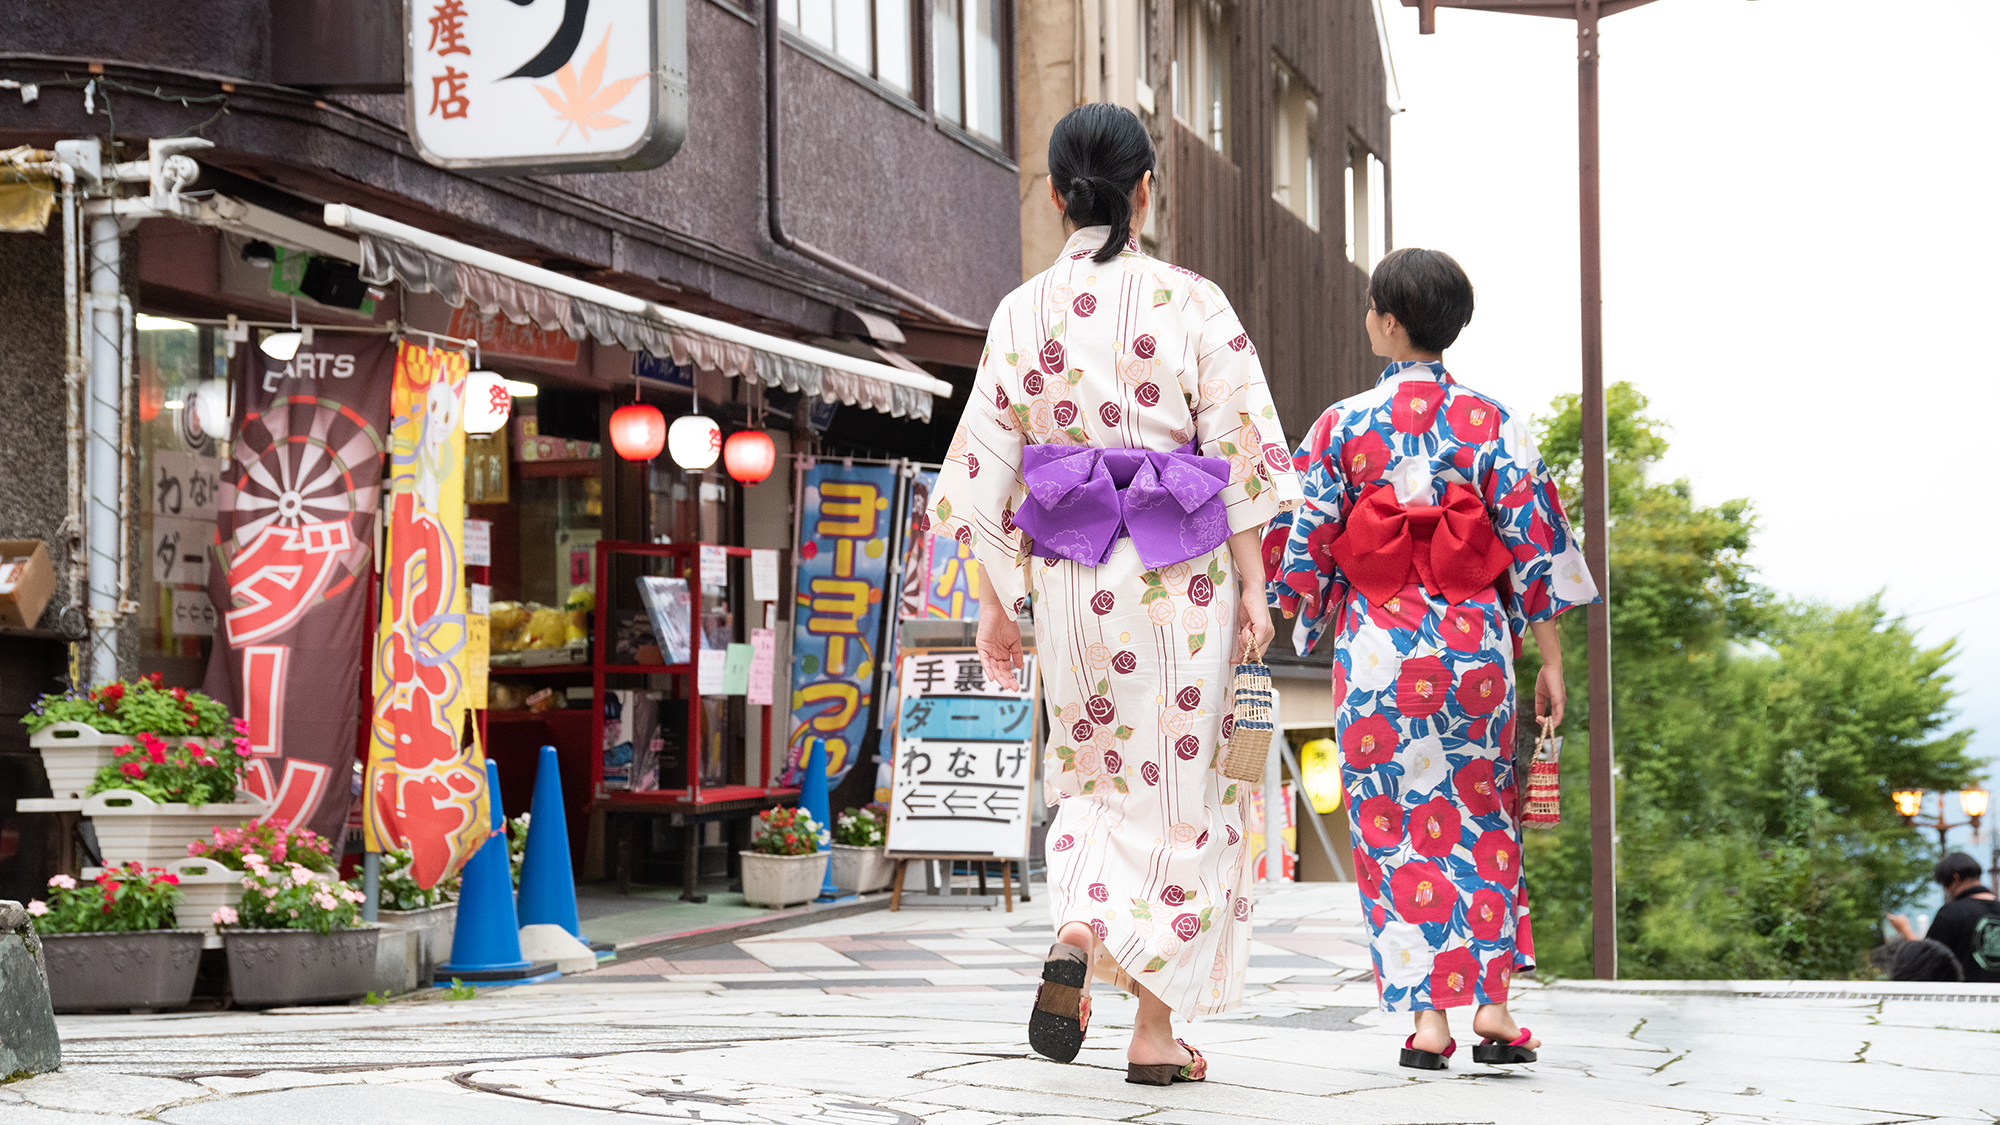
{"type": "Point", "coordinates": [774, 192]}
{"type": "Point", "coordinates": [104, 449]}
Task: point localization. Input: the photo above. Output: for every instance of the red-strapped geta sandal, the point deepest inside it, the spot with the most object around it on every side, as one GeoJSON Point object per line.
{"type": "Point", "coordinates": [1492, 1052]}
{"type": "Point", "coordinates": [1166, 1074]}
{"type": "Point", "coordinates": [1427, 1060]}
{"type": "Point", "coordinates": [1062, 1009]}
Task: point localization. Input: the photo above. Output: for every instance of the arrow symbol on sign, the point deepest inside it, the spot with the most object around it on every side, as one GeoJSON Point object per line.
{"type": "Point", "coordinates": [1008, 799]}
{"type": "Point", "coordinates": [950, 802]}
{"type": "Point", "coordinates": [910, 801]}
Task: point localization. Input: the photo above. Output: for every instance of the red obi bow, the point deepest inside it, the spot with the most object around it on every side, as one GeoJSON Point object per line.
{"type": "Point", "coordinates": [1450, 548]}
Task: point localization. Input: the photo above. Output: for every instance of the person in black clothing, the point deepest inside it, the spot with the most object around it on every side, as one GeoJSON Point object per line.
{"type": "Point", "coordinates": [1969, 922]}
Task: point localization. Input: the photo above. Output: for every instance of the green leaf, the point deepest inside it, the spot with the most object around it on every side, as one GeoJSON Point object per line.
{"type": "Point", "coordinates": [1122, 732]}
{"type": "Point", "coordinates": [1142, 910]}
{"type": "Point", "coordinates": [1090, 786]}
{"type": "Point", "coordinates": [1103, 686]}
{"type": "Point", "coordinates": [1077, 433]}
{"type": "Point", "coordinates": [1151, 577]}
{"type": "Point", "coordinates": [1153, 594]}
{"type": "Point", "coordinates": [944, 509]}
{"type": "Point", "coordinates": [1013, 359]}
{"type": "Point", "coordinates": [1229, 795]}
{"type": "Point", "coordinates": [1227, 447]}
{"type": "Point", "coordinates": [1118, 783]}
{"type": "Point", "coordinates": [1162, 296]}
{"type": "Point", "coordinates": [1195, 642]}
{"type": "Point", "coordinates": [1270, 411]}
{"type": "Point", "coordinates": [1155, 965]}
{"type": "Point", "coordinates": [1075, 376]}
{"type": "Point", "coordinates": [1251, 486]}
{"type": "Point", "coordinates": [1066, 753]}
{"type": "Point", "coordinates": [1207, 918]}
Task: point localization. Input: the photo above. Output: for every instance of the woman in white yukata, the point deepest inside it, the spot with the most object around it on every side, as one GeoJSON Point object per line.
{"type": "Point", "coordinates": [1114, 466]}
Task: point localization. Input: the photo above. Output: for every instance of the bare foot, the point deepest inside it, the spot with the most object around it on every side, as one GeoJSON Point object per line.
{"type": "Point", "coordinates": [1150, 1049]}
{"type": "Point", "coordinates": [1433, 1032]}
{"type": "Point", "coordinates": [1492, 1021]}
{"type": "Point", "coordinates": [1077, 934]}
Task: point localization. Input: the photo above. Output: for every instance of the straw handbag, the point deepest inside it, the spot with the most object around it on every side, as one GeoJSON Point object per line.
{"type": "Point", "coordinates": [1544, 807]}
{"type": "Point", "coordinates": [1250, 730]}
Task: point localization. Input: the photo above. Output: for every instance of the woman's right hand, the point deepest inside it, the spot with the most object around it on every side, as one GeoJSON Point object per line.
{"type": "Point", "coordinates": [999, 644]}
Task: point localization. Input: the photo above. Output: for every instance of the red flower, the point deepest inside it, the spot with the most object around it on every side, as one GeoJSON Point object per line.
{"type": "Point", "coordinates": [1006, 520]}
{"type": "Point", "coordinates": [1463, 628]}
{"type": "Point", "coordinates": [1381, 820]}
{"type": "Point", "coordinates": [1499, 972]}
{"type": "Point", "coordinates": [180, 695]}
{"type": "Point", "coordinates": [1452, 976]}
{"type": "Point", "coordinates": [1483, 689]}
{"type": "Point", "coordinates": [111, 693]}
{"type": "Point", "coordinates": [1123, 662]}
{"type": "Point", "coordinates": [1552, 498]}
{"type": "Point", "coordinates": [1147, 394]}
{"type": "Point", "coordinates": [1472, 419]}
{"type": "Point", "coordinates": [1241, 909]}
{"type": "Point", "coordinates": [1150, 772]}
{"type": "Point", "coordinates": [1081, 731]}
{"type": "Point", "coordinates": [1052, 357]}
{"type": "Point", "coordinates": [1186, 926]}
{"type": "Point", "coordinates": [157, 678]}
{"type": "Point", "coordinates": [1405, 609]}
{"type": "Point", "coordinates": [1186, 747]}
{"type": "Point", "coordinates": [1319, 546]}
{"type": "Point", "coordinates": [1102, 602]}
{"type": "Point", "coordinates": [1523, 490]}
{"type": "Point", "coordinates": [1434, 829]}
{"type": "Point", "coordinates": [1362, 459]}
{"type": "Point", "coordinates": [1173, 895]}
{"type": "Point", "coordinates": [1032, 382]}
{"type": "Point", "coordinates": [1487, 914]}
{"type": "Point", "coordinates": [1112, 762]}
{"type": "Point", "coordinates": [1098, 927]}
{"type": "Point", "coordinates": [1474, 785]}
{"type": "Point", "coordinates": [1422, 892]}
{"type": "Point", "coordinates": [1000, 396]}
{"type": "Point", "coordinates": [972, 464]}
{"type": "Point", "coordinates": [1234, 836]}
{"type": "Point", "coordinates": [132, 769]}
{"type": "Point", "coordinates": [1277, 456]}
{"type": "Point", "coordinates": [1144, 346]}
{"type": "Point", "coordinates": [1189, 698]}
{"type": "Point", "coordinates": [1370, 741]}
{"type": "Point", "coordinates": [1201, 589]}
{"type": "Point", "coordinates": [1109, 413]}
{"type": "Point", "coordinates": [168, 878]}
{"type": "Point", "coordinates": [1415, 407]}
{"type": "Point", "coordinates": [1241, 341]}
{"type": "Point", "coordinates": [1100, 709]}
{"type": "Point", "coordinates": [1339, 683]}
{"type": "Point", "coordinates": [1099, 893]}
{"type": "Point", "coordinates": [1421, 687]}
{"type": "Point", "coordinates": [1464, 456]}
{"type": "Point", "coordinates": [1274, 547]}
{"type": "Point", "coordinates": [1064, 844]}
{"type": "Point", "coordinates": [1065, 413]}
{"type": "Point", "coordinates": [1369, 873]}
{"type": "Point", "coordinates": [1536, 599]}
{"type": "Point", "coordinates": [1084, 305]}
{"type": "Point", "coordinates": [1228, 725]}
{"type": "Point", "coordinates": [1539, 533]}
{"type": "Point", "coordinates": [1498, 858]}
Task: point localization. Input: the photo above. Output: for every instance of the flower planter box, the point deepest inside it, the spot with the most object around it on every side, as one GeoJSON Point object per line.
{"type": "Point", "coordinates": [141, 969]}
{"type": "Point", "coordinates": [131, 826]}
{"type": "Point", "coordinates": [274, 968]}
{"type": "Point", "coordinates": [433, 926]}
{"type": "Point", "coordinates": [206, 887]}
{"type": "Point", "coordinates": [862, 869]}
{"type": "Point", "coordinates": [782, 880]}
{"type": "Point", "coordinates": [72, 753]}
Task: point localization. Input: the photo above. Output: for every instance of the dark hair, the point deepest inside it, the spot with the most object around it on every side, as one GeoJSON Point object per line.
{"type": "Point", "coordinates": [1953, 867]}
{"type": "Point", "coordinates": [1925, 959]}
{"type": "Point", "coordinates": [1097, 155]}
{"type": "Point", "coordinates": [1427, 293]}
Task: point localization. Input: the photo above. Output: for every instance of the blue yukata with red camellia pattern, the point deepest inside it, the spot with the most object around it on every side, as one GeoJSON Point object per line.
{"type": "Point", "coordinates": [1425, 686]}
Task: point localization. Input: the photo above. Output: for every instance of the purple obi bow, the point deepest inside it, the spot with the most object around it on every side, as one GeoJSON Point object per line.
{"type": "Point", "coordinates": [1080, 500]}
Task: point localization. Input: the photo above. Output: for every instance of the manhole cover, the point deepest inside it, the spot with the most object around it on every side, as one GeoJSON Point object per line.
{"type": "Point", "coordinates": [620, 1087]}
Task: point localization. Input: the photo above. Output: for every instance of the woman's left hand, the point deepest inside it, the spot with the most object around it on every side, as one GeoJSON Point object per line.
{"type": "Point", "coordinates": [1253, 624]}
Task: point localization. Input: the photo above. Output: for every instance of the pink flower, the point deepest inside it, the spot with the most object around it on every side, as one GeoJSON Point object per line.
{"type": "Point", "coordinates": [132, 769]}
{"type": "Point", "coordinates": [240, 725]}
{"type": "Point", "coordinates": [224, 917]}
{"type": "Point", "coordinates": [62, 882]}
{"type": "Point", "coordinates": [37, 908]}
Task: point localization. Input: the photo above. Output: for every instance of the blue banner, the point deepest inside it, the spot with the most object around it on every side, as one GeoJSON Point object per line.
{"type": "Point", "coordinates": [845, 527]}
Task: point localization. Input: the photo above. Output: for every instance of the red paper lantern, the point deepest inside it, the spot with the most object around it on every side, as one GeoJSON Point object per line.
{"type": "Point", "coordinates": [638, 431]}
{"type": "Point", "coordinates": [749, 456]}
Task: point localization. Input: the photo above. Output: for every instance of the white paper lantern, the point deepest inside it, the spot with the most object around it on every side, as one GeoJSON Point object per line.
{"type": "Point", "coordinates": [694, 441]}
{"type": "Point", "coordinates": [488, 402]}
{"type": "Point", "coordinates": [212, 408]}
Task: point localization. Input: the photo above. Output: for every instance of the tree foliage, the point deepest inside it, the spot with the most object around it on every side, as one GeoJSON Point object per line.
{"type": "Point", "coordinates": [1757, 740]}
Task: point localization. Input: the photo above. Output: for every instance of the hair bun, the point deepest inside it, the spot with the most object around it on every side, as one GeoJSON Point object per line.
{"type": "Point", "coordinates": [1081, 185]}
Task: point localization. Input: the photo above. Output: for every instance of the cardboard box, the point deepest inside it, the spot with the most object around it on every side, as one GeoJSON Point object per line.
{"type": "Point", "coordinates": [27, 581]}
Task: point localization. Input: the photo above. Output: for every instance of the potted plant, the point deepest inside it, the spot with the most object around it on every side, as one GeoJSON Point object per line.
{"type": "Point", "coordinates": [784, 864]}
{"type": "Point", "coordinates": [111, 943]}
{"type": "Point", "coordinates": [403, 904]}
{"type": "Point", "coordinates": [76, 732]}
{"type": "Point", "coordinates": [294, 939]}
{"type": "Point", "coordinates": [860, 849]}
{"type": "Point", "coordinates": [154, 797]}
{"type": "Point", "coordinates": [211, 873]}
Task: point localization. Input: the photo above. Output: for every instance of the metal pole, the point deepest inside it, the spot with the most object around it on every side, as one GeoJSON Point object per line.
{"type": "Point", "coordinates": [371, 885]}
{"type": "Point", "coordinates": [1596, 512]}
{"type": "Point", "coordinates": [104, 454]}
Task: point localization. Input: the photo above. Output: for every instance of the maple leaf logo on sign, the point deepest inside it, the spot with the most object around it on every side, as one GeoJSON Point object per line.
{"type": "Point", "coordinates": [582, 100]}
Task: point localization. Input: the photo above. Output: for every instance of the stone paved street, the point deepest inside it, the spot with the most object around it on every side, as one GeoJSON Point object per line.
{"type": "Point", "coordinates": [918, 1016]}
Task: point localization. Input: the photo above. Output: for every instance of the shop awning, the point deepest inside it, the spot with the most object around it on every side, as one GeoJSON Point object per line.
{"type": "Point", "coordinates": [498, 285]}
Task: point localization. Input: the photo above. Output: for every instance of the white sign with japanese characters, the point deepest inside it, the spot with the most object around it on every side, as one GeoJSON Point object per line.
{"type": "Point", "coordinates": [179, 550]}
{"type": "Point", "coordinates": [547, 85]}
{"type": "Point", "coordinates": [965, 759]}
{"type": "Point", "coordinates": [185, 485]}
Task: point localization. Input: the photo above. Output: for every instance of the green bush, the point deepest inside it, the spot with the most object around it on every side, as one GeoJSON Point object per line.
{"type": "Point", "coordinates": [121, 899]}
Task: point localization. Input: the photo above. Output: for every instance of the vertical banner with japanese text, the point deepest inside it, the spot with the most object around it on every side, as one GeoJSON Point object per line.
{"type": "Point", "coordinates": [845, 527]}
{"type": "Point", "coordinates": [424, 790]}
{"type": "Point", "coordinates": [295, 544]}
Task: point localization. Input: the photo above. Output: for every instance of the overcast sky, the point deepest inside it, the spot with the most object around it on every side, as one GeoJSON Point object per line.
{"type": "Point", "coordinates": [1799, 269]}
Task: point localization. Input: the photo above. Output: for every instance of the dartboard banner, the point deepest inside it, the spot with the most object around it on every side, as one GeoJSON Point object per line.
{"type": "Point", "coordinates": [294, 554]}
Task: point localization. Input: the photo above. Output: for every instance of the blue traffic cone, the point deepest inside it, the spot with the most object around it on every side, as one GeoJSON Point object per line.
{"type": "Point", "coordinates": [813, 798]}
{"type": "Point", "coordinates": [548, 884]}
{"type": "Point", "coordinates": [486, 941]}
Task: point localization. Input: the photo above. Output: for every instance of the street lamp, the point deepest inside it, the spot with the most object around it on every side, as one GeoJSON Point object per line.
{"type": "Point", "coordinates": [1910, 804]}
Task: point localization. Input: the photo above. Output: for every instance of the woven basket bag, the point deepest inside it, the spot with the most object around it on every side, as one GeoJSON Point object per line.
{"type": "Point", "coordinates": [1544, 807]}
{"type": "Point", "coordinates": [1251, 728]}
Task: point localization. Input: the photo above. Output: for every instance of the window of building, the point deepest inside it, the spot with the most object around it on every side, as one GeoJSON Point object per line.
{"type": "Point", "coordinates": [1367, 206]}
{"type": "Point", "coordinates": [1294, 144]}
{"type": "Point", "coordinates": [1145, 11]}
{"type": "Point", "coordinates": [872, 36]}
{"type": "Point", "coordinates": [966, 38]}
{"type": "Point", "coordinates": [1203, 35]}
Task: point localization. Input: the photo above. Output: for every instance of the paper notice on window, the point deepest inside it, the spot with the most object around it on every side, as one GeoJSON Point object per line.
{"type": "Point", "coordinates": [764, 575]}
{"type": "Point", "coordinates": [194, 614]}
{"type": "Point", "coordinates": [478, 542]}
{"type": "Point", "coordinates": [714, 568]}
{"type": "Point", "coordinates": [763, 667]}
{"type": "Point", "coordinates": [480, 599]}
{"type": "Point", "coordinates": [736, 670]}
{"type": "Point", "coordinates": [710, 670]}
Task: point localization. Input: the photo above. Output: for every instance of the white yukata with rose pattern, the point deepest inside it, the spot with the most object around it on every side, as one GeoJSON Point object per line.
{"type": "Point", "coordinates": [1147, 842]}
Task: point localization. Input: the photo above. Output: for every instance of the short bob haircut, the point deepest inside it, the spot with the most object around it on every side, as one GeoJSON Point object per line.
{"type": "Point", "coordinates": [1427, 292]}
{"type": "Point", "coordinates": [1954, 867]}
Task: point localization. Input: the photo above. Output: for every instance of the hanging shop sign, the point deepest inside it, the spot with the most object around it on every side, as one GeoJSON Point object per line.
{"type": "Point", "coordinates": [916, 561]}
{"type": "Point", "coordinates": [424, 789]}
{"type": "Point", "coordinates": [547, 85]}
{"type": "Point", "coordinates": [845, 526]}
{"type": "Point", "coordinates": [295, 536]}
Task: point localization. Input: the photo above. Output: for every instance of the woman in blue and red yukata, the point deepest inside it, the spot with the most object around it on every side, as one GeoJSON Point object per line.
{"type": "Point", "coordinates": [1431, 539]}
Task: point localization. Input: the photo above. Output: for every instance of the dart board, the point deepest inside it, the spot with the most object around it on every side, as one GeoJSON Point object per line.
{"type": "Point", "coordinates": [304, 460]}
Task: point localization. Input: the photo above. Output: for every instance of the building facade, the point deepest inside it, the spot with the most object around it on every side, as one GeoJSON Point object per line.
{"type": "Point", "coordinates": [1272, 125]}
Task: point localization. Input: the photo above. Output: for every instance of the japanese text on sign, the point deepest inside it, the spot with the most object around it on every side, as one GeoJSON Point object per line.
{"type": "Point", "coordinates": [965, 759]}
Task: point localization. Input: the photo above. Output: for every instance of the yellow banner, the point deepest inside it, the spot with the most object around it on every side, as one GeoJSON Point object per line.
{"type": "Point", "coordinates": [426, 790]}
